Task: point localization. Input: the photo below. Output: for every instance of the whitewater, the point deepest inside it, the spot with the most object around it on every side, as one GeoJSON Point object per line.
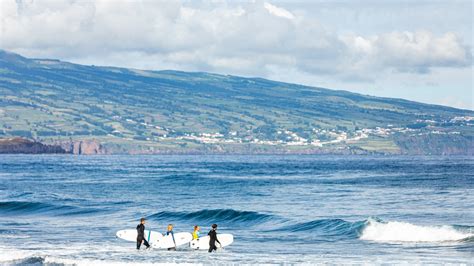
{"type": "Point", "coordinates": [65, 210]}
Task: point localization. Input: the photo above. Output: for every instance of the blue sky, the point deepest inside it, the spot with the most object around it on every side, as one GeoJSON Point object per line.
{"type": "Point", "coordinates": [418, 50]}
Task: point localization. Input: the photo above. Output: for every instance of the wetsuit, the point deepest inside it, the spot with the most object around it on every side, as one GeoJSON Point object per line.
{"type": "Point", "coordinates": [172, 235]}
{"type": "Point", "coordinates": [212, 240]}
{"type": "Point", "coordinates": [141, 236]}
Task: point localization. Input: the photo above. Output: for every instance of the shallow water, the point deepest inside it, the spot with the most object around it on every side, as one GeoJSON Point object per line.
{"type": "Point", "coordinates": [281, 209]}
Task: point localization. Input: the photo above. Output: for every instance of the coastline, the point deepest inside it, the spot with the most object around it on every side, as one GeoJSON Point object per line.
{"type": "Point", "coordinates": [19, 145]}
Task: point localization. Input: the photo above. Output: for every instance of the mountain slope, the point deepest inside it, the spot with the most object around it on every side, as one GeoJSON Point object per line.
{"type": "Point", "coordinates": [136, 111]}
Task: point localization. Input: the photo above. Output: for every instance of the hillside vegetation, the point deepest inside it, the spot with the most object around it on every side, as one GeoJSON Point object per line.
{"type": "Point", "coordinates": [118, 110]}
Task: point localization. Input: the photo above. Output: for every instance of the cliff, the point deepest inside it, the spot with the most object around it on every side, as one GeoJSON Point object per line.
{"type": "Point", "coordinates": [85, 147]}
{"type": "Point", "coordinates": [21, 145]}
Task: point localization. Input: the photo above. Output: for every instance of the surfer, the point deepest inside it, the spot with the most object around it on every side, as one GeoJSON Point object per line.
{"type": "Point", "coordinates": [169, 231]}
{"type": "Point", "coordinates": [196, 232]}
{"type": "Point", "coordinates": [213, 238]}
{"type": "Point", "coordinates": [141, 234]}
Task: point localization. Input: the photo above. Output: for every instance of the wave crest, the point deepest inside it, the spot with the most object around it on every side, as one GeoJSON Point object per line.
{"type": "Point", "coordinates": [28, 208]}
{"type": "Point", "coordinates": [327, 227]}
{"type": "Point", "coordinates": [215, 215]}
{"type": "Point", "coordinates": [376, 230]}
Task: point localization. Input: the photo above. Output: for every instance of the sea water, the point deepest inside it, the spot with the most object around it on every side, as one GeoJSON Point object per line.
{"type": "Point", "coordinates": [64, 209]}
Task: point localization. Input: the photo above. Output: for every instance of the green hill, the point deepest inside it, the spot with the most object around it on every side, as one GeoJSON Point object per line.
{"type": "Point", "coordinates": [90, 109]}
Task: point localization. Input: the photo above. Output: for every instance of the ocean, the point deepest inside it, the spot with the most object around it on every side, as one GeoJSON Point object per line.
{"type": "Point", "coordinates": [281, 209]}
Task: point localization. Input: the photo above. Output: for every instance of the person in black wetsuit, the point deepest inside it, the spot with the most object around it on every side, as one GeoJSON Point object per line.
{"type": "Point", "coordinates": [213, 238]}
{"type": "Point", "coordinates": [141, 234]}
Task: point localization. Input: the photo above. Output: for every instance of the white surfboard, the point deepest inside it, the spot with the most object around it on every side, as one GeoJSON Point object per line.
{"type": "Point", "coordinates": [131, 235]}
{"type": "Point", "coordinates": [167, 241]}
{"type": "Point", "coordinates": [203, 242]}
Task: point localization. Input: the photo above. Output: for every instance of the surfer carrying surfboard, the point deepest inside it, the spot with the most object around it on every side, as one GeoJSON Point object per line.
{"type": "Point", "coordinates": [170, 232]}
{"type": "Point", "coordinates": [196, 232]}
{"type": "Point", "coordinates": [213, 238]}
{"type": "Point", "coordinates": [141, 234]}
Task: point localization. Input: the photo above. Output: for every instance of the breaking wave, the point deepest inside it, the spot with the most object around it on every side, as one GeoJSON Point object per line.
{"type": "Point", "coordinates": [374, 229]}
{"type": "Point", "coordinates": [393, 231]}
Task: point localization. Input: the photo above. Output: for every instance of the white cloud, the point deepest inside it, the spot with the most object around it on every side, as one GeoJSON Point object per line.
{"type": "Point", "coordinates": [408, 51]}
{"type": "Point", "coordinates": [249, 38]}
{"type": "Point", "coordinates": [278, 11]}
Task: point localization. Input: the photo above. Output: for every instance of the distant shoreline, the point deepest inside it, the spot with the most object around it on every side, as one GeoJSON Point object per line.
{"type": "Point", "coordinates": [19, 145]}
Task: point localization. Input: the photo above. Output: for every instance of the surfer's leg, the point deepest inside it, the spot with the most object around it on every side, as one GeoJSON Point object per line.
{"type": "Point", "coordinates": [139, 243]}
{"type": "Point", "coordinates": [146, 243]}
{"type": "Point", "coordinates": [212, 247]}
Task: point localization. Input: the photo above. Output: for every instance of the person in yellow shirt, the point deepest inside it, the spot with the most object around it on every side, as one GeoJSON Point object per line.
{"type": "Point", "coordinates": [196, 232]}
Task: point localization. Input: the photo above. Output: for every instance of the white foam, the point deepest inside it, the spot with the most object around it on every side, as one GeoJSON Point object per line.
{"type": "Point", "coordinates": [89, 262]}
{"type": "Point", "coordinates": [9, 255]}
{"type": "Point", "coordinates": [407, 232]}
{"type": "Point", "coordinates": [13, 257]}
{"type": "Point", "coordinates": [14, 236]}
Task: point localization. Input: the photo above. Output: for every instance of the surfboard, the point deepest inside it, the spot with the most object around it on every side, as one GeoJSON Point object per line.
{"type": "Point", "coordinates": [203, 242]}
{"type": "Point", "coordinates": [167, 241]}
{"type": "Point", "coordinates": [131, 235]}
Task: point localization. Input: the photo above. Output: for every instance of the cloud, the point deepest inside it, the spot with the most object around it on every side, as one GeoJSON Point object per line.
{"type": "Point", "coordinates": [409, 51]}
{"type": "Point", "coordinates": [278, 11]}
{"type": "Point", "coordinates": [254, 38]}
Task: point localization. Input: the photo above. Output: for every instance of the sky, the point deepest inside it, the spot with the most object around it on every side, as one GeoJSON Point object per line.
{"type": "Point", "coordinates": [416, 50]}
